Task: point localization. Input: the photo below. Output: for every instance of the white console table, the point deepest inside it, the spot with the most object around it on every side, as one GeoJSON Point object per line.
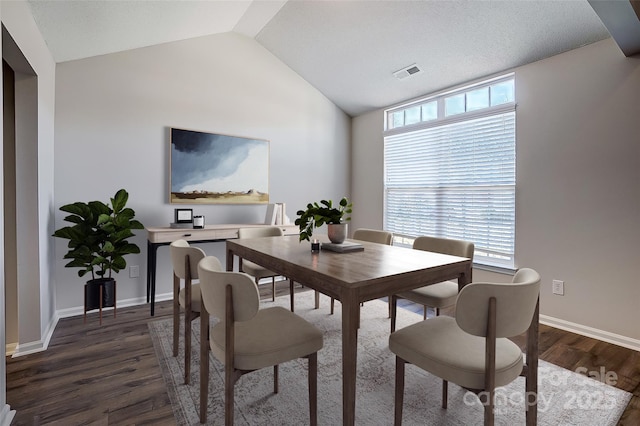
{"type": "Point", "coordinates": [162, 236]}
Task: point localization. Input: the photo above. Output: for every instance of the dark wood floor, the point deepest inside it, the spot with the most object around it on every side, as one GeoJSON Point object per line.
{"type": "Point", "coordinates": [109, 375]}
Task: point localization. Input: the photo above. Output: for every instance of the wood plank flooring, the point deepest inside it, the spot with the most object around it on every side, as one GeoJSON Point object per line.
{"type": "Point", "coordinates": [109, 375]}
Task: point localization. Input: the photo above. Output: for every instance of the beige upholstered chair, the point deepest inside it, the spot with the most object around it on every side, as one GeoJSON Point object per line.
{"type": "Point", "coordinates": [247, 338]}
{"type": "Point", "coordinates": [372, 236]}
{"type": "Point", "coordinates": [184, 260]}
{"type": "Point", "coordinates": [473, 349]}
{"type": "Point", "coordinates": [438, 295]}
{"type": "Point", "coordinates": [256, 271]}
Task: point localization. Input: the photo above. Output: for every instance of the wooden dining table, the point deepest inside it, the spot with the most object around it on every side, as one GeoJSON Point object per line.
{"type": "Point", "coordinates": [354, 277]}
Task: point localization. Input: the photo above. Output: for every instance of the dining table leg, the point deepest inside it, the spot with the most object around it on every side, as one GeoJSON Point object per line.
{"type": "Point", "coordinates": [350, 314]}
{"type": "Point", "coordinates": [465, 278]}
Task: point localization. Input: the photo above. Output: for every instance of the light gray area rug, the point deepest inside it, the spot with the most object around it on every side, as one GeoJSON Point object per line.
{"type": "Point", "coordinates": [565, 397]}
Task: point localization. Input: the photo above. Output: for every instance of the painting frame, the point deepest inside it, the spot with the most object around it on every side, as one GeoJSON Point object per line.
{"type": "Point", "coordinates": [215, 168]}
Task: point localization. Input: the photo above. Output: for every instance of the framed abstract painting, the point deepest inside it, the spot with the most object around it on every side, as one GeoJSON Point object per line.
{"type": "Point", "coordinates": [210, 168]}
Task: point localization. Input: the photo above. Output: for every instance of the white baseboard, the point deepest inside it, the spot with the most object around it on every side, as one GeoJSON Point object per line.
{"type": "Point", "coordinates": [28, 348]}
{"type": "Point", "coordinates": [39, 345]}
{"type": "Point", "coordinates": [50, 329]}
{"type": "Point", "coordinates": [6, 415]}
{"type": "Point", "coordinates": [18, 350]}
{"type": "Point", "coordinates": [79, 310]}
{"type": "Point", "coordinates": [605, 336]}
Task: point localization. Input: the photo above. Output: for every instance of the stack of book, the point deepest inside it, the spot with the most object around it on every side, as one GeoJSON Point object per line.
{"type": "Point", "coordinates": [276, 214]}
{"type": "Point", "coordinates": [344, 247]}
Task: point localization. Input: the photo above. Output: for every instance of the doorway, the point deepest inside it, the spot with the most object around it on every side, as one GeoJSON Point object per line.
{"type": "Point", "coordinates": [20, 197]}
{"type": "Point", "coordinates": [9, 209]}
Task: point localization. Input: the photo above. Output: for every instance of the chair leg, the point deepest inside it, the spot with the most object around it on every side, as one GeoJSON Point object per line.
{"type": "Point", "coordinates": [389, 303]}
{"type": "Point", "coordinates": [313, 389]}
{"type": "Point", "coordinates": [204, 366]}
{"type": "Point", "coordinates": [333, 301]}
{"type": "Point", "coordinates": [531, 381]}
{"type": "Point", "coordinates": [275, 378]}
{"type": "Point", "coordinates": [176, 314]}
{"type": "Point", "coordinates": [437, 312]}
{"type": "Point", "coordinates": [229, 384]}
{"type": "Point", "coordinates": [317, 299]}
{"type": "Point", "coordinates": [188, 317]}
{"type": "Point", "coordinates": [445, 392]}
{"type": "Point", "coordinates": [424, 312]}
{"type": "Point", "coordinates": [488, 408]}
{"type": "Point", "coordinates": [176, 331]}
{"type": "Point", "coordinates": [490, 363]}
{"type": "Point", "coordinates": [187, 347]}
{"type": "Point", "coordinates": [399, 391]}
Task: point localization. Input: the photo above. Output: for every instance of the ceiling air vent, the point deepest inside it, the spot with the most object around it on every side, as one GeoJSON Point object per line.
{"type": "Point", "coordinates": [407, 72]}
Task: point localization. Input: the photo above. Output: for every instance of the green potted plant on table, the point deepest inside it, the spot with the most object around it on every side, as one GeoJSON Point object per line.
{"type": "Point", "coordinates": [317, 214]}
{"type": "Point", "coordinates": [98, 242]}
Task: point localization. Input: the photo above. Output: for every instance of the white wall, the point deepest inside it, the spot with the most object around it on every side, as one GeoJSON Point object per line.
{"type": "Point", "coordinates": [112, 118]}
{"type": "Point", "coordinates": [578, 174]}
{"type": "Point", "coordinates": [36, 314]}
{"type": "Point", "coordinates": [368, 163]}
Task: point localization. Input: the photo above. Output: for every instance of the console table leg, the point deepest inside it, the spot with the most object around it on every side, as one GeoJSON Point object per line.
{"type": "Point", "coordinates": [152, 255]}
{"type": "Point", "coordinates": [148, 270]}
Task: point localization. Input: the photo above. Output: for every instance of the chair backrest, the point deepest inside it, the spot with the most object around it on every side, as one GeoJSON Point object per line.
{"type": "Point", "coordinates": [179, 249]}
{"type": "Point", "coordinates": [213, 283]}
{"type": "Point", "coordinates": [260, 231]}
{"type": "Point", "coordinates": [515, 304]}
{"type": "Point", "coordinates": [445, 246]}
{"type": "Point", "coordinates": [373, 236]}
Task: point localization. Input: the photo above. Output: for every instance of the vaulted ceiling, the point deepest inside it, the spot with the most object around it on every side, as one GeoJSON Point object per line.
{"type": "Point", "coordinates": [349, 50]}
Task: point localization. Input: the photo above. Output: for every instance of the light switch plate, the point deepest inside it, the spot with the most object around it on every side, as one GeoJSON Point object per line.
{"type": "Point", "coordinates": [558, 287]}
{"type": "Point", "coordinates": [134, 271]}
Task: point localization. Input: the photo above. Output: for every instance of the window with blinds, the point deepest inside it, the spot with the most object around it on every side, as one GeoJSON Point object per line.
{"type": "Point", "coordinates": [454, 176]}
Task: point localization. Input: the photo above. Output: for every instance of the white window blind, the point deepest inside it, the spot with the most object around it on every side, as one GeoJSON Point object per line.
{"type": "Point", "coordinates": [455, 180]}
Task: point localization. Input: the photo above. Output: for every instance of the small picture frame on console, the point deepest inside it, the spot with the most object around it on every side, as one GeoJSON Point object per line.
{"type": "Point", "coordinates": [184, 215]}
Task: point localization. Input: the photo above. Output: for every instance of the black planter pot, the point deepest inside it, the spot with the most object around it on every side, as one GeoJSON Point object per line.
{"type": "Point", "coordinates": [92, 293]}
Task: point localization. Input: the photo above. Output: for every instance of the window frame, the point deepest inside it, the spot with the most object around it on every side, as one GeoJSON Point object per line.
{"type": "Point", "coordinates": [443, 120]}
{"type": "Point", "coordinates": [440, 99]}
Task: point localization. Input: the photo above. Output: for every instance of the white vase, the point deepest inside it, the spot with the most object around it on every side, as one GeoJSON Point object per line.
{"type": "Point", "coordinates": [337, 232]}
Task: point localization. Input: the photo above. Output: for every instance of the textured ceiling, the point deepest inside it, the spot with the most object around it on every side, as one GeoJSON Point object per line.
{"type": "Point", "coordinates": [346, 49]}
{"type": "Point", "coordinates": [349, 50]}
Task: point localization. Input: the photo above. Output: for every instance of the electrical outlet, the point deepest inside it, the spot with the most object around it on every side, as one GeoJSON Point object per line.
{"type": "Point", "coordinates": [558, 287]}
{"type": "Point", "coordinates": [134, 271]}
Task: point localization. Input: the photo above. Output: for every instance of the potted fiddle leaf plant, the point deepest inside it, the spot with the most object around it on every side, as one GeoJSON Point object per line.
{"type": "Point", "coordinates": [98, 242]}
{"type": "Point", "coordinates": [317, 214]}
